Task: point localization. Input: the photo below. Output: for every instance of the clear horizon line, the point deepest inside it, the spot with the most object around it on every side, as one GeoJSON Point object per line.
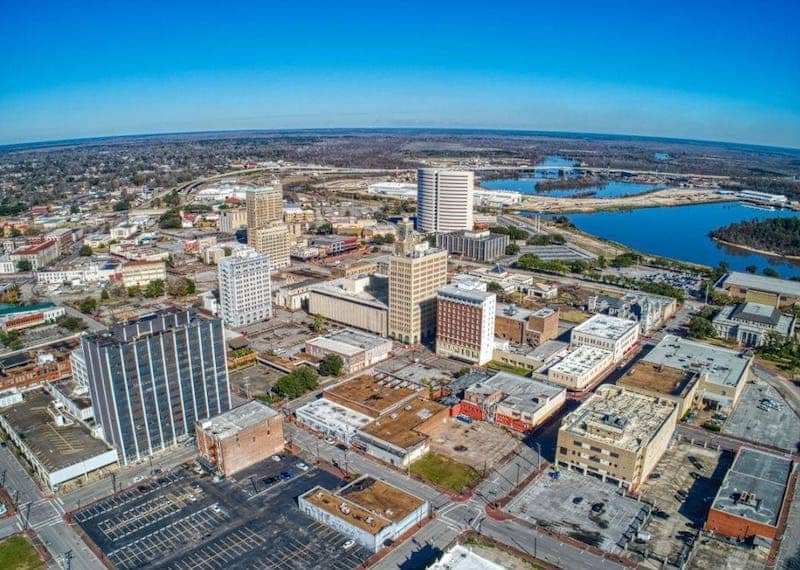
{"type": "Point", "coordinates": [84, 139]}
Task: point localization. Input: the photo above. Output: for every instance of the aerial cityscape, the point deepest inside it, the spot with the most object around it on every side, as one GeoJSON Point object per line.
{"type": "Point", "coordinates": [480, 322]}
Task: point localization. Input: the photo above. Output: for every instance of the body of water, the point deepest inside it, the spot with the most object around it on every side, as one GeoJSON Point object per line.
{"type": "Point", "coordinates": [682, 233]}
{"type": "Point", "coordinates": [612, 189]}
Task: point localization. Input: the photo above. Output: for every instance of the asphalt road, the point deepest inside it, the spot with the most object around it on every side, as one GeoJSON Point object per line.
{"type": "Point", "coordinates": [44, 515]}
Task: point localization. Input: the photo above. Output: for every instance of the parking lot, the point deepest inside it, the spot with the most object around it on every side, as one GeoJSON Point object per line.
{"type": "Point", "coordinates": [776, 427]}
{"type": "Point", "coordinates": [567, 506]}
{"type": "Point", "coordinates": [479, 444]}
{"type": "Point", "coordinates": [184, 520]}
{"type": "Point", "coordinates": [686, 468]}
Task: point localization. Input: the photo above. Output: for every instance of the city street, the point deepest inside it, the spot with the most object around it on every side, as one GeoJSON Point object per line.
{"type": "Point", "coordinates": [44, 515]}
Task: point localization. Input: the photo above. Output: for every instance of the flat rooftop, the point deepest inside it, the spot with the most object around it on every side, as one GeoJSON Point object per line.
{"type": "Point", "coordinates": [581, 360]}
{"type": "Point", "coordinates": [755, 315]}
{"type": "Point", "coordinates": [400, 428]}
{"type": "Point", "coordinates": [461, 558]}
{"type": "Point", "coordinates": [334, 415]}
{"type": "Point", "coordinates": [348, 341]}
{"type": "Point", "coordinates": [543, 313]}
{"type": "Point", "coordinates": [524, 394]}
{"type": "Point", "coordinates": [754, 486]}
{"type": "Point", "coordinates": [375, 395]}
{"type": "Point", "coordinates": [606, 326]}
{"type": "Point", "coordinates": [724, 367]}
{"type": "Point", "coordinates": [366, 503]}
{"type": "Point", "coordinates": [464, 293]}
{"type": "Point", "coordinates": [512, 312]}
{"type": "Point", "coordinates": [658, 378]}
{"type": "Point", "coordinates": [381, 498]}
{"type": "Point", "coordinates": [619, 418]}
{"type": "Point", "coordinates": [760, 283]}
{"type": "Point", "coordinates": [233, 421]}
{"type": "Point", "coordinates": [56, 447]}
{"type": "Point", "coordinates": [374, 293]}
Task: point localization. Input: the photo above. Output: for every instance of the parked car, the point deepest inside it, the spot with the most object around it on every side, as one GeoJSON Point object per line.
{"type": "Point", "coordinates": [681, 496]}
{"type": "Point", "coordinates": [285, 475]}
{"type": "Point", "coordinates": [577, 500]}
{"type": "Point", "coordinates": [301, 466]}
{"type": "Point", "coordinates": [349, 544]}
{"type": "Point", "coordinates": [598, 507]}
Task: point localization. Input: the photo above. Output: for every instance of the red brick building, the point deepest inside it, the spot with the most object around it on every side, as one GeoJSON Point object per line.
{"type": "Point", "coordinates": [241, 437]}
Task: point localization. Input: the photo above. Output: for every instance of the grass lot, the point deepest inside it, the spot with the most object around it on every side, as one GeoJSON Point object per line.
{"type": "Point", "coordinates": [574, 316]}
{"type": "Point", "coordinates": [445, 472]}
{"type": "Point", "coordinates": [17, 553]}
{"type": "Point", "coordinates": [500, 367]}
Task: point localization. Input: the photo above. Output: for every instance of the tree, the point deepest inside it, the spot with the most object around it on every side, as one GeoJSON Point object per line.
{"type": "Point", "coordinates": [104, 296]}
{"type": "Point", "coordinates": [170, 219]}
{"type": "Point", "coordinates": [85, 251]}
{"type": "Point", "coordinates": [24, 265]}
{"type": "Point", "coordinates": [72, 324]}
{"type": "Point", "coordinates": [769, 272]}
{"type": "Point", "coordinates": [121, 206]}
{"type": "Point", "coordinates": [180, 287]}
{"type": "Point", "coordinates": [512, 249]}
{"type": "Point", "coordinates": [74, 209]}
{"type": "Point", "coordinates": [331, 365]}
{"type": "Point", "coordinates": [325, 229]}
{"type": "Point", "coordinates": [626, 260]}
{"type": "Point", "coordinates": [154, 289]}
{"type": "Point", "coordinates": [297, 383]}
{"type": "Point", "coordinates": [495, 287]}
{"type": "Point", "coordinates": [134, 291]}
{"type": "Point", "coordinates": [751, 269]}
{"type": "Point", "coordinates": [319, 324]}
{"type": "Point", "coordinates": [701, 328]}
{"type": "Point", "coordinates": [88, 305]}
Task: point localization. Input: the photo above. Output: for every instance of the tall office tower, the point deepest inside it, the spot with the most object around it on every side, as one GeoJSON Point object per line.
{"type": "Point", "coordinates": [151, 379]}
{"type": "Point", "coordinates": [266, 232]}
{"type": "Point", "coordinates": [264, 205]}
{"type": "Point", "coordinates": [272, 239]}
{"type": "Point", "coordinates": [413, 281]}
{"type": "Point", "coordinates": [444, 200]}
{"type": "Point", "coordinates": [465, 322]}
{"type": "Point", "coordinates": [245, 295]}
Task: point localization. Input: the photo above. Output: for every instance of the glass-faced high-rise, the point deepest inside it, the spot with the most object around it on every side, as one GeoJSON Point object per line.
{"type": "Point", "coordinates": [152, 378]}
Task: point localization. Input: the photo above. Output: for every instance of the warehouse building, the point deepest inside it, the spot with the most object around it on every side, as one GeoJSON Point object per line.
{"type": "Point", "coordinates": [759, 289]}
{"type": "Point", "coordinates": [750, 500]}
{"type": "Point", "coordinates": [241, 437]}
{"type": "Point", "coordinates": [618, 336]}
{"type": "Point", "coordinates": [617, 435]}
{"type": "Point", "coordinates": [367, 510]}
{"type": "Point", "coordinates": [58, 449]}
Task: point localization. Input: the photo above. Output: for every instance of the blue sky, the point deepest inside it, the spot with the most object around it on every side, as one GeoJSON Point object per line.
{"type": "Point", "coordinates": [707, 70]}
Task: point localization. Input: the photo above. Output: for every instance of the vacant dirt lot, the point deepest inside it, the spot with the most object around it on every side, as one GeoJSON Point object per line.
{"type": "Point", "coordinates": [477, 444]}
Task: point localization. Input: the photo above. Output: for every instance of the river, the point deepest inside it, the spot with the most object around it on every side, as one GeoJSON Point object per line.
{"type": "Point", "coordinates": [682, 233]}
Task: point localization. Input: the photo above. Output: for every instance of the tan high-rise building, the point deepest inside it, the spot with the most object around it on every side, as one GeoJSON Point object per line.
{"type": "Point", "coordinates": [272, 240]}
{"type": "Point", "coordinates": [413, 282]}
{"type": "Point", "coordinates": [266, 232]}
{"type": "Point", "coordinates": [264, 206]}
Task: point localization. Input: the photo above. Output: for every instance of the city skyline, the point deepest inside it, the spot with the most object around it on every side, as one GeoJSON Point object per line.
{"type": "Point", "coordinates": [678, 71]}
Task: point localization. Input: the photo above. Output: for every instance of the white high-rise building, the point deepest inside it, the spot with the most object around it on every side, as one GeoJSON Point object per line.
{"type": "Point", "coordinates": [245, 295]}
{"type": "Point", "coordinates": [444, 200]}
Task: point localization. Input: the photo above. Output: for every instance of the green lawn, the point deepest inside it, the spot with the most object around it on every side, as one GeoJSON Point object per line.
{"type": "Point", "coordinates": [500, 367]}
{"type": "Point", "coordinates": [445, 472]}
{"type": "Point", "coordinates": [17, 553]}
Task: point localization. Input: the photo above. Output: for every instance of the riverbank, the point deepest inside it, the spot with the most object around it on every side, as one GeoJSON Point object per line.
{"type": "Point", "coordinates": [666, 197]}
{"type": "Point", "coordinates": [754, 250]}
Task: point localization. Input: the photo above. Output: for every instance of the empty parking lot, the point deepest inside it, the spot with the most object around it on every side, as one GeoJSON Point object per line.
{"type": "Point", "coordinates": [565, 506]}
{"type": "Point", "coordinates": [182, 520]}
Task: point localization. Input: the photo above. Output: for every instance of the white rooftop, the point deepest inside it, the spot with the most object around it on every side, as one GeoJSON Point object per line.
{"type": "Point", "coordinates": [334, 415]}
{"type": "Point", "coordinates": [581, 360]}
{"type": "Point", "coordinates": [348, 342]}
{"type": "Point", "coordinates": [605, 326]}
{"type": "Point", "coordinates": [461, 558]}
{"type": "Point", "coordinates": [233, 421]}
{"type": "Point", "coordinates": [724, 367]}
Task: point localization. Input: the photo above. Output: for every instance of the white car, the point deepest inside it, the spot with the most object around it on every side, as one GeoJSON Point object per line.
{"type": "Point", "coordinates": [349, 544]}
{"type": "Point", "coordinates": [302, 466]}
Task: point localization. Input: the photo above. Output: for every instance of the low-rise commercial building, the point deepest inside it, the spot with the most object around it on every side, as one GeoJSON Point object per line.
{"type": "Point", "coordinates": [509, 282]}
{"type": "Point", "coordinates": [359, 302]}
{"type": "Point", "coordinates": [519, 403]}
{"type": "Point", "coordinates": [13, 317]}
{"type": "Point", "coordinates": [140, 273]}
{"type": "Point", "coordinates": [752, 324]}
{"type": "Point", "coordinates": [73, 397]}
{"type": "Point", "coordinates": [657, 380]}
{"type": "Point", "coordinates": [581, 368]}
{"type": "Point", "coordinates": [618, 336]}
{"type": "Point", "coordinates": [358, 350]}
{"type": "Point", "coordinates": [649, 310]}
{"type": "Point", "coordinates": [723, 373]}
{"type": "Point", "coordinates": [752, 496]}
{"type": "Point", "coordinates": [617, 435]}
{"type": "Point", "coordinates": [367, 510]}
{"type": "Point", "coordinates": [294, 296]}
{"type": "Point", "coordinates": [480, 246]}
{"type": "Point", "coordinates": [400, 437]}
{"type": "Point", "coordinates": [332, 418]}
{"type": "Point", "coordinates": [543, 325]}
{"type": "Point", "coordinates": [372, 395]}
{"type": "Point", "coordinates": [39, 254]}
{"type": "Point", "coordinates": [759, 289]}
{"type": "Point", "coordinates": [58, 449]}
{"type": "Point", "coordinates": [241, 437]}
